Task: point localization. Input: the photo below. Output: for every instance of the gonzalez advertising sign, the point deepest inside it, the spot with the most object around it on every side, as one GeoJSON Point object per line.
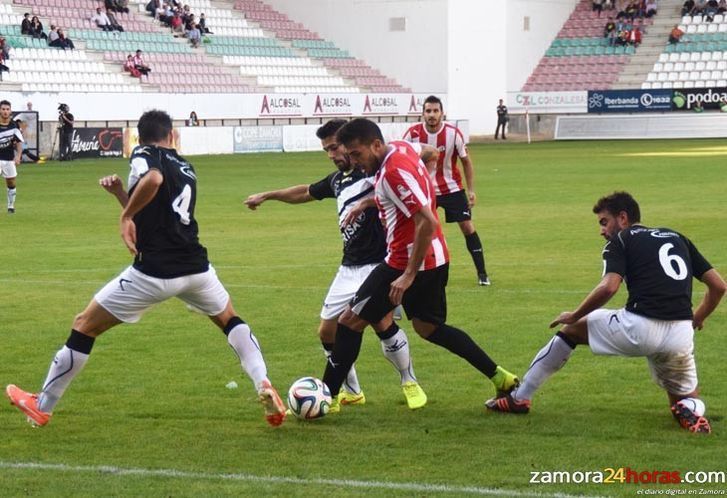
{"type": "Point", "coordinates": [629, 101]}
{"type": "Point", "coordinates": [547, 102]}
{"type": "Point", "coordinates": [97, 142]}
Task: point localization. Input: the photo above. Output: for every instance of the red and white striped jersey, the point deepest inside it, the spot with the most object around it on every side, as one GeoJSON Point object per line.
{"type": "Point", "coordinates": [403, 187]}
{"type": "Point", "coordinates": [449, 141]}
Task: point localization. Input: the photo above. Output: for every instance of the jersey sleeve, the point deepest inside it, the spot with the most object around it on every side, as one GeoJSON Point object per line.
{"type": "Point", "coordinates": [459, 144]}
{"type": "Point", "coordinates": [700, 265]}
{"type": "Point", "coordinates": [407, 135]}
{"type": "Point", "coordinates": [614, 256]}
{"type": "Point", "coordinates": [18, 135]}
{"type": "Point", "coordinates": [142, 160]}
{"type": "Point", "coordinates": [322, 189]}
{"type": "Point", "coordinates": [404, 190]}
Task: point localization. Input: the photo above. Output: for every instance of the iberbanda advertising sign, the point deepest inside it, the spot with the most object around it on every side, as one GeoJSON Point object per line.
{"type": "Point", "coordinates": [97, 142]}
{"type": "Point", "coordinates": [629, 101]}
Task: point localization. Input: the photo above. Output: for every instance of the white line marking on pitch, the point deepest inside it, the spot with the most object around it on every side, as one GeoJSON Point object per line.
{"type": "Point", "coordinates": [343, 483]}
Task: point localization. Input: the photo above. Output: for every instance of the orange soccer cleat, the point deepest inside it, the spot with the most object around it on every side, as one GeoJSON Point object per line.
{"type": "Point", "coordinates": [273, 405]}
{"type": "Point", "coordinates": [28, 404]}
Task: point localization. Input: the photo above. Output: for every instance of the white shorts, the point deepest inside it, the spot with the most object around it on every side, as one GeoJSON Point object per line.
{"type": "Point", "coordinates": [8, 170]}
{"type": "Point", "coordinates": [668, 345]}
{"type": "Point", "coordinates": [130, 294]}
{"type": "Point", "coordinates": [343, 288]}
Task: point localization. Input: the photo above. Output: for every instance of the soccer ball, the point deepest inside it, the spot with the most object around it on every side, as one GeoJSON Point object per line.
{"type": "Point", "coordinates": [695, 405]}
{"type": "Point", "coordinates": [309, 398]}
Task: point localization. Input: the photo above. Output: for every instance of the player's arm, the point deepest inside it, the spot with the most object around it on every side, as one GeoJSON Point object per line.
{"type": "Point", "coordinates": [597, 298]}
{"type": "Point", "coordinates": [115, 186]}
{"type": "Point", "coordinates": [469, 176]}
{"type": "Point", "coordinates": [292, 195]}
{"type": "Point", "coordinates": [425, 225]}
{"type": "Point", "coordinates": [18, 151]}
{"type": "Point", "coordinates": [143, 194]}
{"type": "Point", "coordinates": [716, 288]}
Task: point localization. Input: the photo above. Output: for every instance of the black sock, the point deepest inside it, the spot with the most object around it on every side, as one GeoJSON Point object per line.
{"type": "Point", "coordinates": [388, 333]}
{"type": "Point", "coordinates": [80, 342]}
{"type": "Point", "coordinates": [345, 352]}
{"type": "Point", "coordinates": [327, 346]}
{"type": "Point", "coordinates": [474, 246]}
{"type": "Point", "coordinates": [458, 342]}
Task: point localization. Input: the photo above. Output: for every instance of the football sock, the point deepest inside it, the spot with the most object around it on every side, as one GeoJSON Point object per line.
{"type": "Point", "coordinates": [395, 346]}
{"type": "Point", "coordinates": [244, 342]}
{"type": "Point", "coordinates": [345, 352]}
{"type": "Point", "coordinates": [11, 198]}
{"type": "Point", "coordinates": [68, 362]}
{"type": "Point", "coordinates": [461, 344]}
{"type": "Point", "coordinates": [351, 383]}
{"type": "Point", "coordinates": [549, 360]}
{"type": "Point", "coordinates": [474, 246]}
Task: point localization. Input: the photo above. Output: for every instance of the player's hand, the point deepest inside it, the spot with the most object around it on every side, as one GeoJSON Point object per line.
{"type": "Point", "coordinates": [471, 199]}
{"type": "Point", "coordinates": [17, 161]}
{"type": "Point", "coordinates": [128, 234]}
{"type": "Point", "coordinates": [254, 201]}
{"type": "Point", "coordinates": [112, 184]}
{"type": "Point", "coordinates": [565, 318]}
{"type": "Point", "coordinates": [353, 214]}
{"type": "Point", "coordinates": [697, 323]}
{"type": "Point", "coordinates": [399, 287]}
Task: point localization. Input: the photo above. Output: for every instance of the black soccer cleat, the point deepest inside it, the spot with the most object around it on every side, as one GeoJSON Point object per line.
{"type": "Point", "coordinates": [483, 279]}
{"type": "Point", "coordinates": [11, 210]}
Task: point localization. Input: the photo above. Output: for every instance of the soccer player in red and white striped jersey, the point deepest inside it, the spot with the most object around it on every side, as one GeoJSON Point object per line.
{"type": "Point", "coordinates": [451, 196]}
{"type": "Point", "coordinates": [416, 267]}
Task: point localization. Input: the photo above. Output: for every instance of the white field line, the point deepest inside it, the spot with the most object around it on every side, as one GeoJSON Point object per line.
{"type": "Point", "coordinates": [340, 483]}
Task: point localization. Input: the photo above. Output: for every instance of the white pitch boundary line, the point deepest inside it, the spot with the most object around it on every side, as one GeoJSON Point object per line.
{"type": "Point", "coordinates": [342, 483]}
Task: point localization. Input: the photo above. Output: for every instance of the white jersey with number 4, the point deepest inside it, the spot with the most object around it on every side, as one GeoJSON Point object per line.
{"type": "Point", "coordinates": [449, 141]}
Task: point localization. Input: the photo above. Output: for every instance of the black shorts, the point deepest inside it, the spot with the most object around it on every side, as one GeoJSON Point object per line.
{"type": "Point", "coordinates": [456, 207]}
{"type": "Point", "coordinates": [426, 299]}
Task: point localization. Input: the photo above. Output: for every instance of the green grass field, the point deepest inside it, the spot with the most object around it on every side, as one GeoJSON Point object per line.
{"type": "Point", "coordinates": [150, 415]}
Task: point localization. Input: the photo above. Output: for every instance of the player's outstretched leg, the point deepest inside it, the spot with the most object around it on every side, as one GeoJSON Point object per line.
{"type": "Point", "coordinates": [67, 363]}
{"type": "Point", "coordinates": [689, 412]}
{"type": "Point", "coordinates": [245, 345]}
{"type": "Point", "coordinates": [458, 342]}
{"type": "Point", "coordinates": [395, 346]}
{"type": "Point", "coordinates": [549, 360]}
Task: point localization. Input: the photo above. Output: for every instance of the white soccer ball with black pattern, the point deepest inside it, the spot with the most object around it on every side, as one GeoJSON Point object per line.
{"type": "Point", "coordinates": [309, 398]}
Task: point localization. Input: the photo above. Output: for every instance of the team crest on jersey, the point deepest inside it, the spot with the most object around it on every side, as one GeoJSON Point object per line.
{"type": "Point", "coordinates": [187, 171]}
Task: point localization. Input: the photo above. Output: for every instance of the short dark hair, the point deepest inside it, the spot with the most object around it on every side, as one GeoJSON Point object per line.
{"type": "Point", "coordinates": [433, 99]}
{"type": "Point", "coordinates": [154, 126]}
{"type": "Point", "coordinates": [618, 202]}
{"type": "Point", "coordinates": [361, 129]}
{"type": "Point", "coordinates": [330, 128]}
{"type": "Point", "coordinates": [5, 102]}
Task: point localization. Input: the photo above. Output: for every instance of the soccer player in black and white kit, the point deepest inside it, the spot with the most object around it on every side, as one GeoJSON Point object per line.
{"type": "Point", "coordinates": [364, 247]}
{"type": "Point", "coordinates": [158, 227]}
{"type": "Point", "coordinates": [11, 150]}
{"type": "Point", "coordinates": [658, 265]}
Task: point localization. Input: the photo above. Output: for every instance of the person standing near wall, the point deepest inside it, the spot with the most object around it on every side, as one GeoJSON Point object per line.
{"type": "Point", "coordinates": [502, 119]}
{"type": "Point", "coordinates": [65, 128]}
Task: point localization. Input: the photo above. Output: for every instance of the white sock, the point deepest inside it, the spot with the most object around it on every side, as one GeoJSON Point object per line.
{"type": "Point", "coordinates": [351, 383]}
{"type": "Point", "coordinates": [11, 197]}
{"type": "Point", "coordinates": [396, 350]}
{"type": "Point", "coordinates": [245, 344]}
{"type": "Point", "coordinates": [548, 361]}
{"type": "Point", "coordinates": [696, 405]}
{"type": "Point", "coordinates": [66, 365]}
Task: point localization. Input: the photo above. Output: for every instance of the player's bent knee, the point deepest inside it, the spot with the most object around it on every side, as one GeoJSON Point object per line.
{"type": "Point", "coordinates": [424, 329]}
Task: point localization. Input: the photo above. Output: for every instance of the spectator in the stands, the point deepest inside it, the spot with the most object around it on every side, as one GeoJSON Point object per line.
{"type": "Point", "coordinates": [117, 5]}
{"type": "Point", "coordinates": [598, 6]}
{"type": "Point", "coordinates": [676, 34]}
{"type": "Point", "coordinates": [650, 7]}
{"type": "Point", "coordinates": [101, 20]}
{"type": "Point", "coordinates": [130, 67]}
{"type": "Point", "coordinates": [635, 36]}
{"type": "Point", "coordinates": [52, 34]}
{"type": "Point", "coordinates": [176, 23]}
{"type": "Point", "coordinates": [62, 41]}
{"type": "Point", "coordinates": [193, 120]}
{"type": "Point", "coordinates": [140, 65]}
{"type": "Point", "coordinates": [29, 106]}
{"type": "Point", "coordinates": [710, 10]}
{"type": "Point", "coordinates": [632, 10]}
{"type": "Point", "coordinates": [687, 8]}
{"type": "Point", "coordinates": [36, 29]}
{"type": "Point", "coordinates": [165, 13]}
{"type": "Point", "coordinates": [189, 22]}
{"type": "Point", "coordinates": [722, 6]}
{"type": "Point", "coordinates": [4, 49]}
{"type": "Point", "coordinates": [25, 25]}
{"type": "Point", "coordinates": [195, 36]}
{"type": "Point", "coordinates": [114, 23]}
{"type": "Point", "coordinates": [205, 30]}
{"type": "Point", "coordinates": [3, 67]}
{"type": "Point", "coordinates": [610, 27]}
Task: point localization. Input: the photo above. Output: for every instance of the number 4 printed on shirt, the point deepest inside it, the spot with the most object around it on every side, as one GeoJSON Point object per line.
{"type": "Point", "coordinates": [180, 204]}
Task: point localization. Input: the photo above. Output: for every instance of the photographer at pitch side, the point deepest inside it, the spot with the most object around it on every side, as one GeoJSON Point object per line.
{"type": "Point", "coordinates": [65, 129]}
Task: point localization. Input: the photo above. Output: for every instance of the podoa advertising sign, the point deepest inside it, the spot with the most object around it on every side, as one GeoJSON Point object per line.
{"type": "Point", "coordinates": [698, 99]}
{"type": "Point", "coordinates": [629, 101]}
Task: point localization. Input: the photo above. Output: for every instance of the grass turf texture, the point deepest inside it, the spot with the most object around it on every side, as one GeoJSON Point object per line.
{"type": "Point", "coordinates": [153, 395]}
